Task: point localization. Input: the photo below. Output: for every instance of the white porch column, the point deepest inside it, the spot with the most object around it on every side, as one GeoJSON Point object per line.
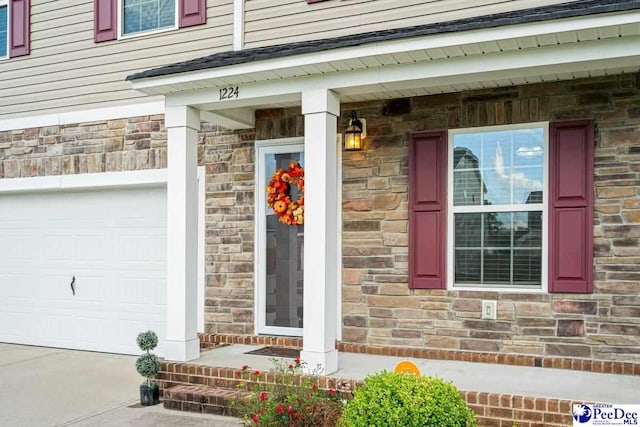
{"type": "Point", "coordinates": [182, 233]}
{"type": "Point", "coordinates": [320, 108]}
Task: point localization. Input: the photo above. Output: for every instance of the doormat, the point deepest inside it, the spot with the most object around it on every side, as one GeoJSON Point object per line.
{"type": "Point", "coordinates": [290, 353]}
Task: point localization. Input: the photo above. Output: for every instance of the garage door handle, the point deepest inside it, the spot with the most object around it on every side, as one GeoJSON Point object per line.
{"type": "Point", "coordinates": [73, 288]}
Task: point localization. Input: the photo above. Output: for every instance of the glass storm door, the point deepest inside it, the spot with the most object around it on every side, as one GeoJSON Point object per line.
{"type": "Point", "coordinates": [280, 248]}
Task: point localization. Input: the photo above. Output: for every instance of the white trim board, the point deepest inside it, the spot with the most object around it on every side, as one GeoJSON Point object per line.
{"type": "Point", "coordinates": [84, 181]}
{"type": "Point", "coordinates": [83, 116]}
{"type": "Point", "coordinates": [238, 24]}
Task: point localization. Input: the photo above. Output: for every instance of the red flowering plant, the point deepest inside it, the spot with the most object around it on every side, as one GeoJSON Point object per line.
{"type": "Point", "coordinates": [289, 211]}
{"type": "Point", "coordinates": [291, 400]}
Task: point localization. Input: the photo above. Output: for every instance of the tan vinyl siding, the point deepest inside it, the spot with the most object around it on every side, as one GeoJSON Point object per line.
{"type": "Point", "coordinates": [67, 71]}
{"type": "Point", "coordinates": [270, 22]}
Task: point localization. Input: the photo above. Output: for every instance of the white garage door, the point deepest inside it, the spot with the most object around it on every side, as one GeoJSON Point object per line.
{"type": "Point", "coordinates": [112, 241]}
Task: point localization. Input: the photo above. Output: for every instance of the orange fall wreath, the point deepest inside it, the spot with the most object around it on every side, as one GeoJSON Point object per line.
{"type": "Point", "coordinates": [279, 194]}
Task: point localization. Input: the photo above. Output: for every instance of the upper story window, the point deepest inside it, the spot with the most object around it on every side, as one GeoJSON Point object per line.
{"type": "Point", "coordinates": [4, 25]}
{"type": "Point", "coordinates": [497, 208]}
{"type": "Point", "coordinates": [114, 18]}
{"type": "Point", "coordinates": [140, 16]}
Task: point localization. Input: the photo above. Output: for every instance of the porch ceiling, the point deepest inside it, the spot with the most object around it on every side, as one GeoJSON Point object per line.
{"type": "Point", "coordinates": [567, 49]}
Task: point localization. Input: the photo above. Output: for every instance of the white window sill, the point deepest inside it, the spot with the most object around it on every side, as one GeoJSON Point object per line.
{"type": "Point", "coordinates": [501, 289]}
{"type": "Point", "coordinates": [147, 33]}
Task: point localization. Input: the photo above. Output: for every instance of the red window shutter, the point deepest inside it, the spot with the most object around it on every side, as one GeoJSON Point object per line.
{"type": "Point", "coordinates": [571, 207]}
{"type": "Point", "coordinates": [19, 28]}
{"type": "Point", "coordinates": [105, 21]}
{"type": "Point", "coordinates": [192, 12]}
{"type": "Point", "coordinates": [427, 210]}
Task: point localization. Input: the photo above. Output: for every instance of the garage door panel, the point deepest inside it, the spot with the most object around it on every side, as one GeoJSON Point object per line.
{"type": "Point", "coordinates": [113, 242]}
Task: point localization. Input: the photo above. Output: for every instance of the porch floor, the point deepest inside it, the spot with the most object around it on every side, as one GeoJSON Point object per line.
{"type": "Point", "coordinates": [466, 376]}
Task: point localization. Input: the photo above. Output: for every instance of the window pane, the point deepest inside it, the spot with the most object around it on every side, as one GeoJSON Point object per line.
{"type": "Point", "coordinates": [527, 266]}
{"type": "Point", "coordinates": [499, 248]}
{"type": "Point", "coordinates": [499, 167]}
{"type": "Point", "coordinates": [528, 229]}
{"type": "Point", "coordinates": [167, 13]}
{"type": "Point", "coordinates": [496, 266]}
{"type": "Point", "coordinates": [131, 20]}
{"type": "Point", "coordinates": [3, 31]}
{"type": "Point", "coordinates": [149, 15]}
{"type": "Point", "coordinates": [146, 15]}
{"type": "Point", "coordinates": [467, 181]}
{"type": "Point", "coordinates": [498, 228]}
{"type": "Point", "coordinates": [467, 230]}
{"type": "Point", "coordinates": [467, 266]}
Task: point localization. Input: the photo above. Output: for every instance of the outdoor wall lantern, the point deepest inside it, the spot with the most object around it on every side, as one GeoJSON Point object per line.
{"type": "Point", "coordinates": [355, 133]}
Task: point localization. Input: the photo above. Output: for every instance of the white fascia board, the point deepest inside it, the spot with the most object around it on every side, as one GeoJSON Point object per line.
{"type": "Point", "coordinates": [575, 57]}
{"type": "Point", "coordinates": [150, 177]}
{"type": "Point", "coordinates": [83, 116]}
{"type": "Point", "coordinates": [397, 46]}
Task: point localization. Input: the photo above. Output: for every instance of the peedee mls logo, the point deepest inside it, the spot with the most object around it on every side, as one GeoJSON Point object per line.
{"type": "Point", "coordinates": [606, 415]}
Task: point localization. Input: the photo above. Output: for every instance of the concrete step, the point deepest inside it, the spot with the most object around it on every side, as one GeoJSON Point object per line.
{"type": "Point", "coordinates": [201, 399]}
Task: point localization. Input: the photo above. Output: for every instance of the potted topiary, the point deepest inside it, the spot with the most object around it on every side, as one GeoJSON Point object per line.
{"type": "Point", "coordinates": [148, 365]}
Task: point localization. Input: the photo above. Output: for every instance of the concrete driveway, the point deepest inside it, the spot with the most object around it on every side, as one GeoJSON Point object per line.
{"type": "Point", "coordinates": [53, 387]}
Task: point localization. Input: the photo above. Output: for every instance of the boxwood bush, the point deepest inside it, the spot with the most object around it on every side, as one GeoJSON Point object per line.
{"type": "Point", "coordinates": [390, 399]}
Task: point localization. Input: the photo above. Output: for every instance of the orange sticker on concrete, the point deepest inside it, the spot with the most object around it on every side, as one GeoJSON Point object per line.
{"type": "Point", "coordinates": [407, 367]}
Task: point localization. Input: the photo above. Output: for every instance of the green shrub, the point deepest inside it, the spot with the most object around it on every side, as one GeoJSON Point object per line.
{"type": "Point", "coordinates": [390, 399]}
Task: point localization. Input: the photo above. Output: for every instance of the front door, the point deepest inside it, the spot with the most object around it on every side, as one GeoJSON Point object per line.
{"type": "Point", "coordinates": [280, 239]}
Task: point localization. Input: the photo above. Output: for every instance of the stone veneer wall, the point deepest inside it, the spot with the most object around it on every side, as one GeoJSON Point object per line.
{"type": "Point", "coordinates": [378, 307]}
{"type": "Point", "coordinates": [102, 146]}
{"type": "Point", "coordinates": [229, 159]}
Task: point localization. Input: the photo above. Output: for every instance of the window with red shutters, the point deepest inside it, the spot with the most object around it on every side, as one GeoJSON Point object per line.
{"type": "Point", "coordinates": [508, 252]}
{"type": "Point", "coordinates": [142, 17]}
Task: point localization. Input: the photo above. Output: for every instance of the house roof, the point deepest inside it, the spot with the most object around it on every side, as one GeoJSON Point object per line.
{"type": "Point", "coordinates": [558, 11]}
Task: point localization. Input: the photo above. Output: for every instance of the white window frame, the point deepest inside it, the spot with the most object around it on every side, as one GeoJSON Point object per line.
{"type": "Point", "coordinates": [6, 3]}
{"type": "Point", "coordinates": [122, 36]}
{"type": "Point", "coordinates": [497, 208]}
